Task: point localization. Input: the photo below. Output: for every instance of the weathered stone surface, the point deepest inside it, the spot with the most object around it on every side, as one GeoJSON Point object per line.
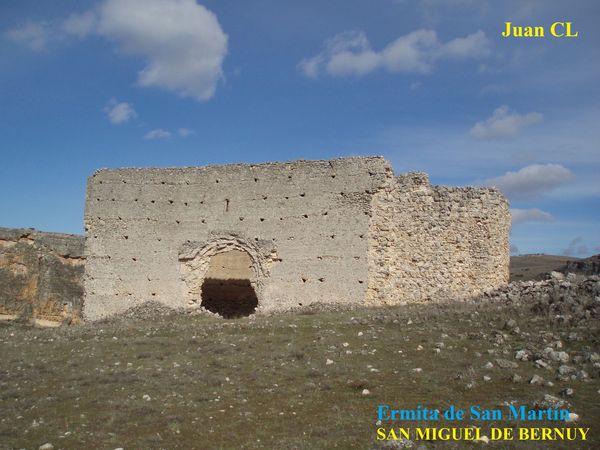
{"type": "Point", "coordinates": [344, 231]}
{"type": "Point", "coordinates": [431, 242]}
{"type": "Point", "coordinates": [41, 274]}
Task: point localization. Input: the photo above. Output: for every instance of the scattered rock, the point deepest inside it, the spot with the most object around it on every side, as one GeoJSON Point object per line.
{"type": "Point", "coordinates": [483, 440]}
{"type": "Point", "coordinates": [516, 378]}
{"type": "Point", "coordinates": [542, 364]}
{"type": "Point", "coordinates": [523, 355]}
{"type": "Point", "coordinates": [550, 401]}
{"type": "Point", "coordinates": [562, 357]}
{"type": "Point", "coordinates": [567, 392]}
{"type": "Point", "coordinates": [401, 443]}
{"type": "Point", "coordinates": [566, 370]}
{"type": "Point", "coordinates": [506, 364]}
{"type": "Point", "coordinates": [536, 380]}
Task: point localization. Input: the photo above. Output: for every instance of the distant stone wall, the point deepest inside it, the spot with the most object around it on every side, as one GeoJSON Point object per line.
{"type": "Point", "coordinates": [152, 232]}
{"type": "Point", "coordinates": [41, 274]}
{"type": "Point", "coordinates": [588, 266]}
{"type": "Point", "coordinates": [430, 242]}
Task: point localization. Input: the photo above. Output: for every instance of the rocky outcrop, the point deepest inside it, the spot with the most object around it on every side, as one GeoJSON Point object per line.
{"type": "Point", "coordinates": [567, 299]}
{"type": "Point", "coordinates": [41, 275]}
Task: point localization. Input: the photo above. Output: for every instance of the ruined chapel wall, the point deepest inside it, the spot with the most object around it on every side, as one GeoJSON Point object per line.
{"type": "Point", "coordinates": [313, 214]}
{"type": "Point", "coordinates": [41, 274]}
{"type": "Point", "coordinates": [430, 242]}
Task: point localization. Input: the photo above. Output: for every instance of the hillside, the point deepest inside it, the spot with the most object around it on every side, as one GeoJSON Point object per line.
{"type": "Point", "coordinates": [534, 267]}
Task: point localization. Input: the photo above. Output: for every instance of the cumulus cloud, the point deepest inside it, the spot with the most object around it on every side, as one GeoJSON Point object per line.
{"type": "Point", "coordinates": [120, 112]}
{"type": "Point", "coordinates": [34, 35]}
{"type": "Point", "coordinates": [157, 134]}
{"type": "Point", "coordinates": [577, 247]}
{"type": "Point", "coordinates": [504, 123]}
{"type": "Point", "coordinates": [182, 42]}
{"type": "Point", "coordinates": [531, 181]}
{"type": "Point", "coordinates": [350, 53]}
{"type": "Point", "coordinates": [514, 249]}
{"type": "Point", "coordinates": [80, 25]}
{"type": "Point", "coordinates": [184, 132]}
{"type": "Point", "coordinates": [530, 215]}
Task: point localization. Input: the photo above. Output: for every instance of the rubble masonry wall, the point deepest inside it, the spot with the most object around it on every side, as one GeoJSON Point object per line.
{"type": "Point", "coordinates": [431, 242]}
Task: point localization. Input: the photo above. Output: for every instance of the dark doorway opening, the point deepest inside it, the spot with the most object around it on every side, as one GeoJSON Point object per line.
{"type": "Point", "coordinates": [229, 298]}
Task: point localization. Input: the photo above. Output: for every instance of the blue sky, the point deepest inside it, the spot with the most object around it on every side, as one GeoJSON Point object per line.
{"type": "Point", "coordinates": [429, 84]}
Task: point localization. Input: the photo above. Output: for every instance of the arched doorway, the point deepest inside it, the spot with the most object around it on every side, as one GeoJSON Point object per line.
{"type": "Point", "coordinates": [227, 288]}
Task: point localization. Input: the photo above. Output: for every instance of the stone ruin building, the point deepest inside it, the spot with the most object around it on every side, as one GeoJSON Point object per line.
{"type": "Point", "coordinates": [237, 239]}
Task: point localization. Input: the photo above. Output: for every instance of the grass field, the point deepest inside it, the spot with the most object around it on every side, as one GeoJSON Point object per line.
{"type": "Point", "coordinates": [534, 267]}
{"type": "Point", "coordinates": [278, 382]}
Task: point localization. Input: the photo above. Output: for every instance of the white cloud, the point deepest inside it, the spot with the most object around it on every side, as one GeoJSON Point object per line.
{"type": "Point", "coordinates": [157, 134]}
{"type": "Point", "coordinates": [120, 112]}
{"type": "Point", "coordinates": [181, 41]}
{"type": "Point", "coordinates": [532, 180]}
{"type": "Point", "coordinates": [514, 249]}
{"type": "Point", "coordinates": [349, 53]}
{"type": "Point", "coordinates": [34, 35]}
{"type": "Point", "coordinates": [474, 45]}
{"type": "Point", "coordinates": [310, 66]}
{"type": "Point", "coordinates": [530, 215]}
{"type": "Point", "coordinates": [577, 247]}
{"type": "Point", "coordinates": [80, 25]}
{"type": "Point", "coordinates": [184, 132]}
{"type": "Point", "coordinates": [504, 123]}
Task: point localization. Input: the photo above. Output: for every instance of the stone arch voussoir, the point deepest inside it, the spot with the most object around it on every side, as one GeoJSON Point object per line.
{"type": "Point", "coordinates": [195, 257]}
